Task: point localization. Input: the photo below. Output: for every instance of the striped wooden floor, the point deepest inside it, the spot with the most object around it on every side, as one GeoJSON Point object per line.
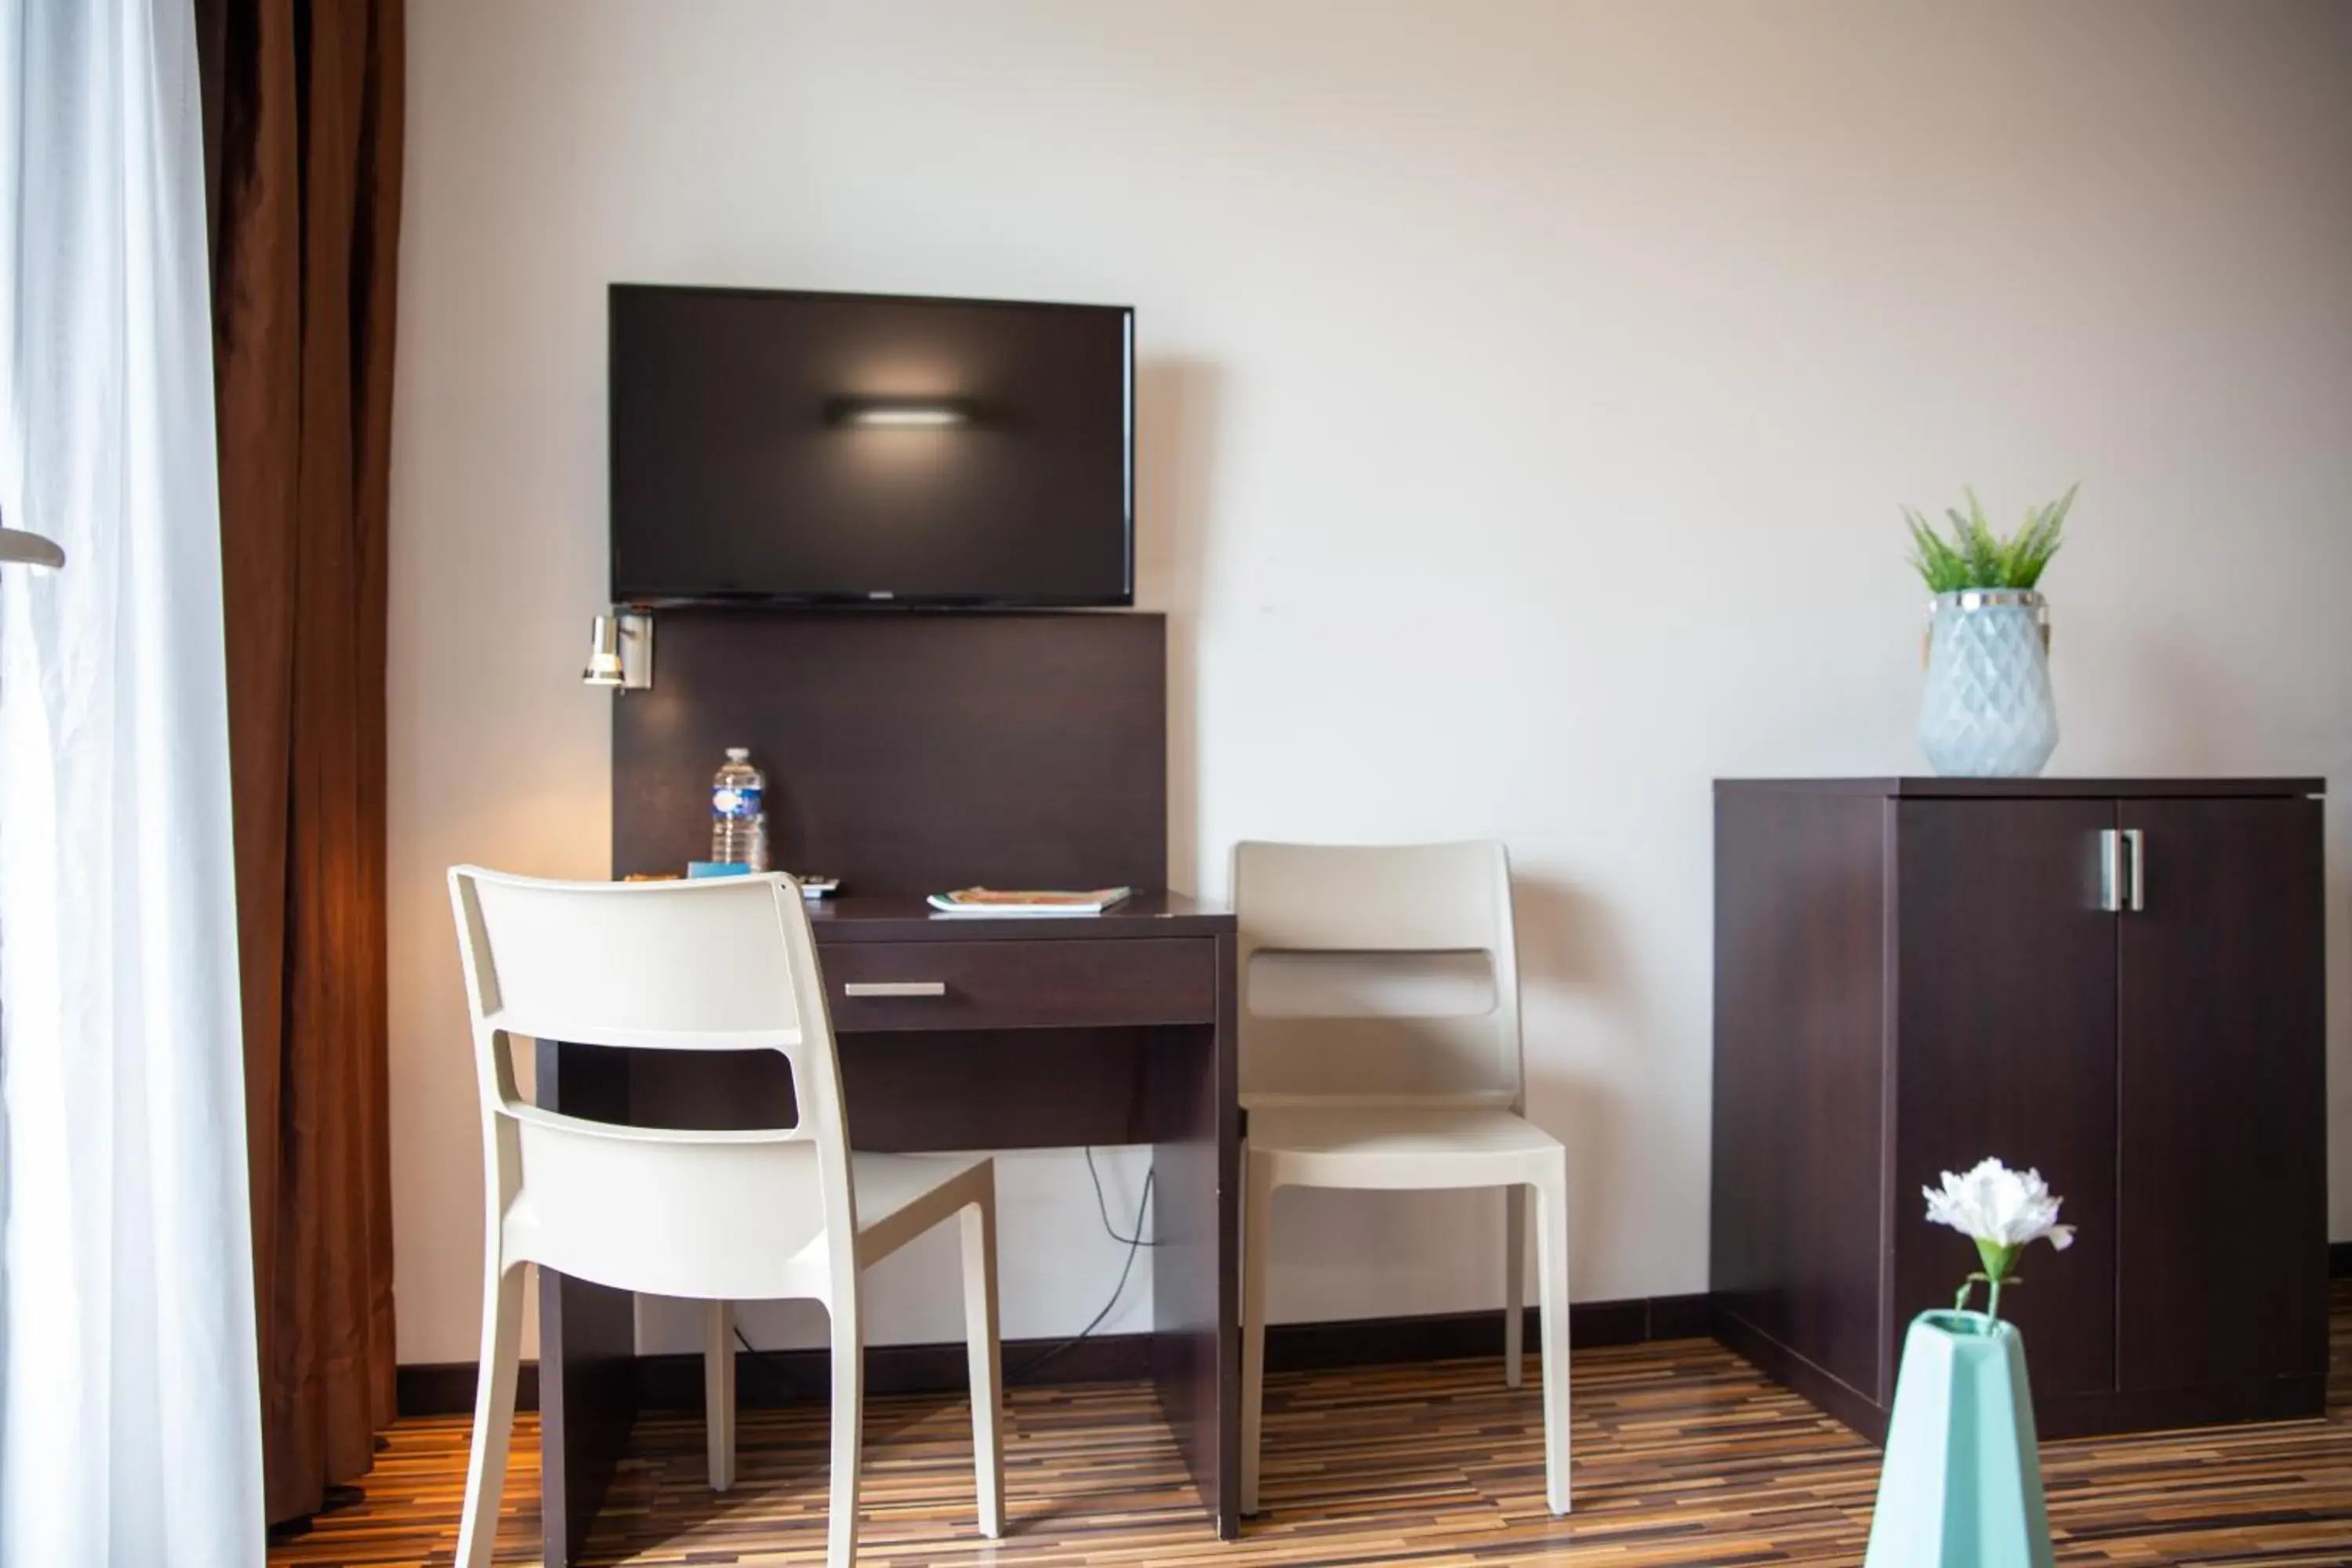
{"type": "Point", "coordinates": [1683, 1456]}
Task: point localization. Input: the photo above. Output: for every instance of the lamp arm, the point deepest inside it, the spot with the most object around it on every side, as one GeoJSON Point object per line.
{"type": "Point", "coordinates": [29, 549]}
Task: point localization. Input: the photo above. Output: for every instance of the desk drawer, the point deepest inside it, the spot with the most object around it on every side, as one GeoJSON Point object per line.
{"type": "Point", "coordinates": [1020, 984]}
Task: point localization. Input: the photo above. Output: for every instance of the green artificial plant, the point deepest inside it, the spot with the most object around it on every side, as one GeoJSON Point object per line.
{"type": "Point", "coordinates": [1975, 557]}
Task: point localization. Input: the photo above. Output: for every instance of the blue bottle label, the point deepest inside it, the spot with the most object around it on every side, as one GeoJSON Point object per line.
{"type": "Point", "coordinates": [735, 802]}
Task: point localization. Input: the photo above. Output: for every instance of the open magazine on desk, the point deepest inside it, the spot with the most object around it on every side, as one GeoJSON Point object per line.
{"type": "Point", "coordinates": [1028, 902]}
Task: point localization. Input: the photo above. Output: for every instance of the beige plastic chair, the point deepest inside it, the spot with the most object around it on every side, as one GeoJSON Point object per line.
{"type": "Point", "coordinates": [1380, 1048]}
{"type": "Point", "coordinates": [722, 966]}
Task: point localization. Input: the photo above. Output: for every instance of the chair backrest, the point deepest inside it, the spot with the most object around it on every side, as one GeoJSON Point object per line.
{"type": "Point", "coordinates": [1377, 974]}
{"type": "Point", "coordinates": [724, 965]}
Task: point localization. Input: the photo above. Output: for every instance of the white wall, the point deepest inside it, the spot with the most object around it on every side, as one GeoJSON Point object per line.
{"type": "Point", "coordinates": [1528, 392]}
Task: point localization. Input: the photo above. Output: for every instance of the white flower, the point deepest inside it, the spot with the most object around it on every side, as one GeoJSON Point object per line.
{"type": "Point", "coordinates": [1999, 1207]}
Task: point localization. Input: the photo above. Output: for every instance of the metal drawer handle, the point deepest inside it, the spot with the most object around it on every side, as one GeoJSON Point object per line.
{"type": "Point", "coordinates": [894, 988]}
{"type": "Point", "coordinates": [2123, 870]}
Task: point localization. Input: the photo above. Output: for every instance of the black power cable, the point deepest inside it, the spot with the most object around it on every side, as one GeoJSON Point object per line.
{"type": "Point", "coordinates": [1102, 1205]}
{"type": "Point", "coordinates": [1134, 1244]}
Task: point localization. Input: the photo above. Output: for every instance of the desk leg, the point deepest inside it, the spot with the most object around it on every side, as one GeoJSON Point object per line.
{"type": "Point", "coordinates": [1196, 1271]}
{"type": "Point", "coordinates": [587, 1334]}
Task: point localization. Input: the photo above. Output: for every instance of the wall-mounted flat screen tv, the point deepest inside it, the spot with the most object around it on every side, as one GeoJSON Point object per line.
{"type": "Point", "coordinates": [785, 447]}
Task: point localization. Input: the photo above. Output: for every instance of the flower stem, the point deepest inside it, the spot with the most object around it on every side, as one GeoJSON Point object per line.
{"type": "Point", "coordinates": [1997, 1260]}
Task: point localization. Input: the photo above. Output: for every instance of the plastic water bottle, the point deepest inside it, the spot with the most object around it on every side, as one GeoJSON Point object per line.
{"type": "Point", "coordinates": [739, 827]}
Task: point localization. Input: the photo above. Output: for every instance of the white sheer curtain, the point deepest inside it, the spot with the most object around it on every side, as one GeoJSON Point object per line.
{"type": "Point", "coordinates": [129, 1432]}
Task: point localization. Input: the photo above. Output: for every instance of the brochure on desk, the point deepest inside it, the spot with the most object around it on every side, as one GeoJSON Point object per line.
{"type": "Point", "coordinates": [998, 901]}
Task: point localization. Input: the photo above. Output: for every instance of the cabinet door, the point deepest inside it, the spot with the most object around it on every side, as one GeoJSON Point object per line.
{"type": "Point", "coordinates": [2006, 1016]}
{"type": "Point", "coordinates": [2224, 1161]}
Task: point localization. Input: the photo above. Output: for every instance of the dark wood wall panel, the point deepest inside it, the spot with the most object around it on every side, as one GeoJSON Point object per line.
{"type": "Point", "coordinates": [907, 752]}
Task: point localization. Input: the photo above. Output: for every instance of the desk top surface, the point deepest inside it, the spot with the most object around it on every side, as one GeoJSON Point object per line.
{"type": "Point", "coordinates": [905, 917]}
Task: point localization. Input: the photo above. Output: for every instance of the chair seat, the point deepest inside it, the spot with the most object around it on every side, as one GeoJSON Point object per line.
{"type": "Point", "coordinates": [899, 1196]}
{"type": "Point", "coordinates": [1398, 1146]}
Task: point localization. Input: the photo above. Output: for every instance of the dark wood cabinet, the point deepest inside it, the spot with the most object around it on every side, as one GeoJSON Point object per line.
{"type": "Point", "coordinates": [2119, 982]}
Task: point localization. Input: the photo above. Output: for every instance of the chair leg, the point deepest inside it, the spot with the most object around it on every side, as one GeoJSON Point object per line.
{"type": "Point", "coordinates": [494, 1400]}
{"type": "Point", "coordinates": [718, 1391]}
{"type": "Point", "coordinates": [848, 1425]}
{"type": "Point", "coordinates": [1551, 1261]}
{"type": "Point", "coordinates": [982, 1350]}
{"type": "Point", "coordinates": [1514, 1284]}
{"type": "Point", "coordinates": [1257, 1219]}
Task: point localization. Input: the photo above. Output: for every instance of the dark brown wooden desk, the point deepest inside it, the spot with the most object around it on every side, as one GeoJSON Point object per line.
{"type": "Point", "coordinates": [1044, 1033]}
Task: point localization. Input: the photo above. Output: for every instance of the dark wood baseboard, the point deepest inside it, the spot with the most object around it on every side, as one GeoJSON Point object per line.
{"type": "Point", "coordinates": [1450, 1336]}
{"type": "Point", "coordinates": [782, 1377]}
{"type": "Point", "coordinates": [764, 1379]}
{"type": "Point", "coordinates": [1842, 1400]}
{"type": "Point", "coordinates": [446, 1388]}
{"type": "Point", "coordinates": [2339, 1260]}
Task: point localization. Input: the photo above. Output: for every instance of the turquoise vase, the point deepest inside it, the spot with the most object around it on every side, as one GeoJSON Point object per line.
{"type": "Point", "coordinates": [1961, 1486]}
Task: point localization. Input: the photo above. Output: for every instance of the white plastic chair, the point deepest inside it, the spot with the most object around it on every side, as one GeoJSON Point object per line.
{"type": "Point", "coordinates": [1380, 1048]}
{"type": "Point", "coordinates": [721, 965]}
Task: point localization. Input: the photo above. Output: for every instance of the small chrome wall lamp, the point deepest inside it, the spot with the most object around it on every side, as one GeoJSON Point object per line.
{"type": "Point", "coordinates": [621, 650]}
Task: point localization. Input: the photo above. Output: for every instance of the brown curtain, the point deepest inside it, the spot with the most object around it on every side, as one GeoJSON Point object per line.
{"type": "Point", "coordinates": [303, 114]}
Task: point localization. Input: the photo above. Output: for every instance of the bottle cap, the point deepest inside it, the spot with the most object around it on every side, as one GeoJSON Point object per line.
{"type": "Point", "coordinates": [737, 753]}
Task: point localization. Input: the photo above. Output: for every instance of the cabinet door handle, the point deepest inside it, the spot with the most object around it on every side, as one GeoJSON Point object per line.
{"type": "Point", "coordinates": [2135, 851]}
{"type": "Point", "coordinates": [894, 988]}
{"type": "Point", "coordinates": [2111, 870]}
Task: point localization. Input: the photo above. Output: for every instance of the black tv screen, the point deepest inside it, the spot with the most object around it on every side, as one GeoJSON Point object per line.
{"type": "Point", "coordinates": [848, 448]}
